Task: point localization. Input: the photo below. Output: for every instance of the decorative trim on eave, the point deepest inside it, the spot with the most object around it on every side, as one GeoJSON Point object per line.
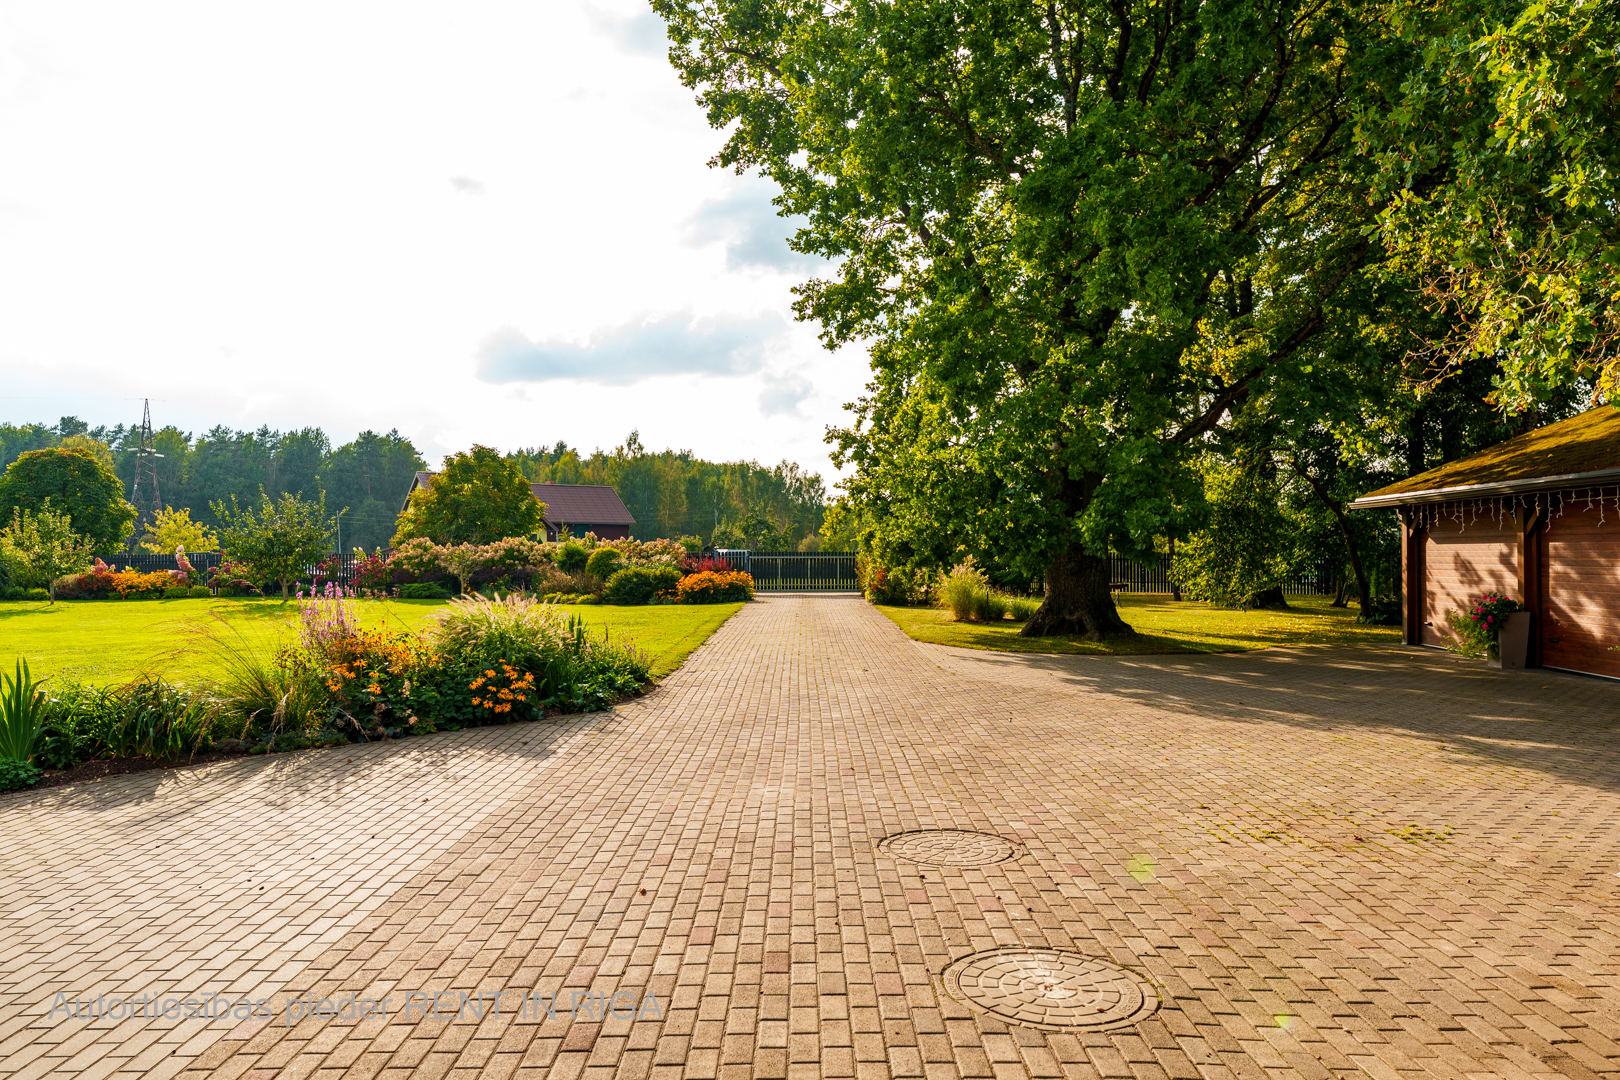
{"type": "Point", "coordinates": [1474, 491]}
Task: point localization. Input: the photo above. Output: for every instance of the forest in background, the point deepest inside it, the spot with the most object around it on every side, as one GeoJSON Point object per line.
{"type": "Point", "coordinates": [671, 493]}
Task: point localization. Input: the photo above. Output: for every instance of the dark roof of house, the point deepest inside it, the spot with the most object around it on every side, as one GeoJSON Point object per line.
{"type": "Point", "coordinates": [582, 504]}
{"type": "Point", "coordinates": [1581, 450]}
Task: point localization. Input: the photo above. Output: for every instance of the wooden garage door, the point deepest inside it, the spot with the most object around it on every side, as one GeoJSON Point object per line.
{"type": "Point", "coordinates": [1460, 562]}
{"type": "Point", "coordinates": [1581, 621]}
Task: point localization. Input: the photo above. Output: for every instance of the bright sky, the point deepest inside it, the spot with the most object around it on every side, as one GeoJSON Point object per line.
{"type": "Point", "coordinates": [477, 222]}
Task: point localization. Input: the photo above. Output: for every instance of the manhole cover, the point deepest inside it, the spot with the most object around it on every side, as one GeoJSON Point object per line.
{"type": "Point", "coordinates": [1051, 989]}
{"type": "Point", "coordinates": [949, 847]}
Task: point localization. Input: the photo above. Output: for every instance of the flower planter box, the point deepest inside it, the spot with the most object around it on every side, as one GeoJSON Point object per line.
{"type": "Point", "coordinates": [1512, 642]}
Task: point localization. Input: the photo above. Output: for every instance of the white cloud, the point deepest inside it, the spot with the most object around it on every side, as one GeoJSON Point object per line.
{"type": "Point", "coordinates": [627, 353]}
{"type": "Point", "coordinates": [784, 394]}
{"type": "Point", "coordinates": [639, 34]}
{"type": "Point", "coordinates": [318, 215]}
{"type": "Point", "coordinates": [755, 236]}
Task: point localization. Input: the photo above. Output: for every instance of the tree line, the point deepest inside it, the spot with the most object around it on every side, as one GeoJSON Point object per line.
{"type": "Point", "coordinates": [671, 493]}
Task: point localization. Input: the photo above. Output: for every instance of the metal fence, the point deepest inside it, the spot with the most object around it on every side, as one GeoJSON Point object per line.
{"type": "Point", "coordinates": [1138, 576]}
{"type": "Point", "coordinates": [795, 571]}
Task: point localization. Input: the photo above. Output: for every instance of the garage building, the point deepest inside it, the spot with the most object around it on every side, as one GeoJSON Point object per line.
{"type": "Point", "coordinates": [1536, 518]}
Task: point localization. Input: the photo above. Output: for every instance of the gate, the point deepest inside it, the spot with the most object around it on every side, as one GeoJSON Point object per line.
{"type": "Point", "coordinates": [795, 571]}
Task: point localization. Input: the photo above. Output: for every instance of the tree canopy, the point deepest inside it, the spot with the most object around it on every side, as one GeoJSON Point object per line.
{"type": "Point", "coordinates": [1076, 236]}
{"type": "Point", "coordinates": [277, 540]}
{"type": "Point", "coordinates": [46, 543]}
{"type": "Point", "coordinates": [76, 482]}
{"type": "Point", "coordinates": [477, 498]}
{"type": "Point", "coordinates": [1499, 162]}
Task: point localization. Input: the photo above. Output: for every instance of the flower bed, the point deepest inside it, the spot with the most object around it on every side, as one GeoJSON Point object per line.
{"type": "Point", "coordinates": [481, 661]}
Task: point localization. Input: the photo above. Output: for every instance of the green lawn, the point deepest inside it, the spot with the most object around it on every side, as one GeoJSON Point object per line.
{"type": "Point", "coordinates": [112, 641]}
{"type": "Point", "coordinates": [1162, 626]}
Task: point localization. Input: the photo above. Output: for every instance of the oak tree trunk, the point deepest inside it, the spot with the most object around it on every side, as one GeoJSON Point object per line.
{"type": "Point", "coordinates": [1078, 602]}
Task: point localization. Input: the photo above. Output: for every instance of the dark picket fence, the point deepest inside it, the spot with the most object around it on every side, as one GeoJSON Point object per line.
{"type": "Point", "coordinates": [796, 571]}
{"type": "Point", "coordinates": [202, 561]}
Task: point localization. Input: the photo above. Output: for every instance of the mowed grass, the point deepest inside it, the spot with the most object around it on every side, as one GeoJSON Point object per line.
{"type": "Point", "coordinates": [114, 641]}
{"type": "Point", "coordinates": [1162, 626]}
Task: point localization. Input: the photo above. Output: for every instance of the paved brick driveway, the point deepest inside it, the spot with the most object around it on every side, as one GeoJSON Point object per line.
{"type": "Point", "coordinates": [1332, 862]}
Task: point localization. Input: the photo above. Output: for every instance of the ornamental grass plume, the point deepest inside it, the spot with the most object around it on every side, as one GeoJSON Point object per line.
{"type": "Point", "coordinates": [512, 626]}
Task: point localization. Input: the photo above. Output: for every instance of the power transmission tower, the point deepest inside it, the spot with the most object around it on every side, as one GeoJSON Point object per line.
{"type": "Point", "coordinates": [145, 496]}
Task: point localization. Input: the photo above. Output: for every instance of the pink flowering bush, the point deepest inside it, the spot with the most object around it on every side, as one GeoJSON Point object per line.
{"type": "Point", "coordinates": [186, 571]}
{"type": "Point", "coordinates": [1477, 627]}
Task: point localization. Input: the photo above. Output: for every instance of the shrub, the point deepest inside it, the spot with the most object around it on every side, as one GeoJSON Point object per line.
{"type": "Point", "coordinates": [571, 670]}
{"type": "Point", "coordinates": [417, 558]}
{"type": "Point", "coordinates": [967, 592]}
{"type": "Point", "coordinates": [372, 572]}
{"type": "Point", "coordinates": [882, 584]}
{"type": "Point", "coordinates": [700, 564]}
{"type": "Point", "coordinates": [199, 592]}
{"type": "Point", "coordinates": [639, 584]}
{"type": "Point", "coordinates": [1476, 628]}
{"type": "Point", "coordinates": [267, 695]}
{"type": "Point", "coordinates": [989, 606]}
{"type": "Point", "coordinates": [603, 562]}
{"type": "Point", "coordinates": [428, 591]}
{"type": "Point", "coordinates": [233, 578]}
{"type": "Point", "coordinates": [13, 592]}
{"type": "Point", "coordinates": [132, 583]}
{"type": "Point", "coordinates": [647, 552]}
{"type": "Point", "coordinates": [22, 713]}
{"type": "Point", "coordinates": [37, 594]}
{"type": "Point", "coordinates": [16, 774]}
{"type": "Point", "coordinates": [715, 587]}
{"type": "Point", "coordinates": [161, 722]}
{"type": "Point", "coordinates": [149, 718]}
{"type": "Point", "coordinates": [74, 716]}
{"type": "Point", "coordinates": [571, 557]}
{"type": "Point", "coordinates": [959, 587]}
{"type": "Point", "coordinates": [1023, 608]}
{"type": "Point", "coordinates": [1385, 611]}
{"type": "Point", "coordinates": [177, 592]}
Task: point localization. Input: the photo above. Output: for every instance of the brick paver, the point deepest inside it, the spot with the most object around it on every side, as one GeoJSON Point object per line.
{"type": "Point", "coordinates": [1331, 862]}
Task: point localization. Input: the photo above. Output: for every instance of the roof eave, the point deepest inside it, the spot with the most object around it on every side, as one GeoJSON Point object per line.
{"type": "Point", "coordinates": [1475, 491]}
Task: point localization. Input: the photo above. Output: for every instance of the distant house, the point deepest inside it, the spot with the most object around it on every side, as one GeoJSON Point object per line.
{"type": "Point", "coordinates": [583, 508]}
{"type": "Point", "coordinates": [1536, 518]}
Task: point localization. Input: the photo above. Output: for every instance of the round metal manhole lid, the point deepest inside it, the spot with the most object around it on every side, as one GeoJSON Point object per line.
{"type": "Point", "coordinates": [950, 847]}
{"type": "Point", "coordinates": [1051, 989]}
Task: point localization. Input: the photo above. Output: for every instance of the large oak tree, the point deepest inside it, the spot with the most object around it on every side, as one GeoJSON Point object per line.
{"type": "Point", "coordinates": [1075, 235]}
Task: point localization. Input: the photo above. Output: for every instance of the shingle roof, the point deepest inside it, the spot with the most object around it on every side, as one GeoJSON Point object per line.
{"type": "Point", "coordinates": [582, 504]}
{"type": "Point", "coordinates": [1569, 451]}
